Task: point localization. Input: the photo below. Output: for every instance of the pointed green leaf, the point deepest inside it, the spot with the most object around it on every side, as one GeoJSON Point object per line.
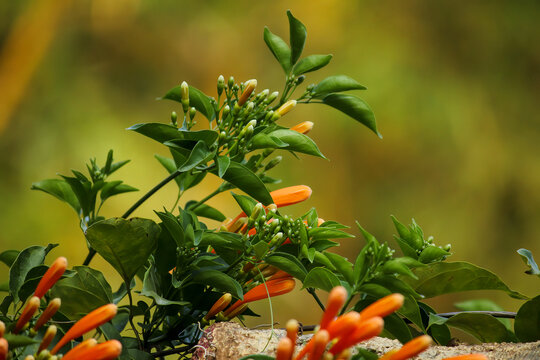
{"type": "Point", "coordinates": [279, 49]}
{"type": "Point", "coordinates": [220, 281]}
{"type": "Point", "coordinates": [484, 327]}
{"type": "Point", "coordinates": [9, 256]}
{"type": "Point", "coordinates": [356, 108]}
{"type": "Point", "coordinates": [60, 190]}
{"type": "Point", "coordinates": [342, 265]}
{"type": "Point", "coordinates": [206, 211]}
{"type": "Point", "coordinates": [153, 288]}
{"type": "Point", "coordinates": [289, 140]}
{"type": "Point", "coordinates": [321, 278]}
{"type": "Point", "coordinates": [222, 163]}
{"type": "Point", "coordinates": [327, 233]}
{"type": "Point", "coordinates": [528, 258]}
{"type": "Point", "coordinates": [336, 83]}
{"type": "Point", "coordinates": [245, 202]}
{"type": "Point", "coordinates": [197, 156]}
{"type": "Point", "coordinates": [112, 188]}
{"type": "Point", "coordinates": [244, 179]}
{"type": "Point", "coordinates": [114, 239]}
{"type": "Point", "coordinates": [527, 324]}
{"type": "Point", "coordinates": [197, 99]}
{"type": "Point", "coordinates": [298, 34]}
{"type": "Point", "coordinates": [288, 263]}
{"type": "Point", "coordinates": [311, 63]}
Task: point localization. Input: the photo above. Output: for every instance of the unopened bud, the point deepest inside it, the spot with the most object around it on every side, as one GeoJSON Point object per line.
{"type": "Point", "coordinates": [272, 163]}
{"type": "Point", "coordinates": [272, 208]}
{"type": "Point", "coordinates": [252, 123]}
{"type": "Point", "coordinates": [267, 152]}
{"type": "Point", "coordinates": [48, 313]}
{"type": "Point", "coordinates": [44, 355]}
{"type": "Point", "coordinates": [192, 113]}
{"type": "Point", "coordinates": [220, 84]}
{"type": "Point", "coordinates": [276, 240]}
{"type": "Point", "coordinates": [275, 116]}
{"type": "Point", "coordinates": [447, 247]}
{"type": "Point", "coordinates": [250, 106]}
{"type": "Point", "coordinates": [226, 111]}
{"type": "Point", "coordinates": [218, 306]}
{"type": "Point", "coordinates": [248, 90]}
{"type": "Point", "coordinates": [303, 128]}
{"type": "Point", "coordinates": [300, 79]}
{"type": "Point", "coordinates": [174, 118]}
{"type": "Point", "coordinates": [268, 115]}
{"type": "Point", "coordinates": [273, 96]}
{"type": "Point", "coordinates": [47, 338]}
{"type": "Point", "coordinates": [2, 329]}
{"type": "Point", "coordinates": [285, 108]}
{"type": "Point", "coordinates": [230, 82]}
{"type": "Point", "coordinates": [257, 209]}
{"type": "Point", "coordinates": [184, 96]}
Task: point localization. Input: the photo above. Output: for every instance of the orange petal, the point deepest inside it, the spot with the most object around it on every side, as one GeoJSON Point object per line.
{"type": "Point", "coordinates": [320, 340]}
{"type": "Point", "coordinates": [291, 195]}
{"type": "Point", "coordinates": [105, 351]}
{"type": "Point", "coordinates": [292, 330]}
{"type": "Point", "coordinates": [52, 275]}
{"type": "Point", "coordinates": [468, 357]}
{"type": "Point", "coordinates": [4, 347]}
{"type": "Point", "coordinates": [303, 128]}
{"type": "Point", "coordinates": [383, 307]}
{"type": "Point", "coordinates": [343, 325]}
{"type": "Point", "coordinates": [47, 338]}
{"type": "Point", "coordinates": [250, 86]}
{"type": "Point", "coordinates": [218, 306]}
{"type": "Point", "coordinates": [336, 300]}
{"type": "Point", "coordinates": [412, 348]}
{"type": "Point", "coordinates": [285, 349]}
{"type": "Point", "coordinates": [275, 288]}
{"type": "Point", "coordinates": [29, 310]}
{"type": "Point", "coordinates": [48, 313]}
{"type": "Point", "coordinates": [77, 350]}
{"type": "Point", "coordinates": [365, 330]}
{"type": "Point", "coordinates": [91, 321]}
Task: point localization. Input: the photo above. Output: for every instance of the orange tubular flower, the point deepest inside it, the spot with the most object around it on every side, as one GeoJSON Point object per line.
{"type": "Point", "coordinates": [275, 288]}
{"type": "Point", "coordinates": [320, 340]}
{"type": "Point", "coordinates": [336, 300]}
{"type": "Point", "coordinates": [468, 357]}
{"type": "Point", "coordinates": [218, 306]}
{"type": "Point", "coordinates": [29, 310]}
{"type": "Point", "coordinates": [91, 321]}
{"type": "Point", "coordinates": [52, 275]}
{"type": "Point", "coordinates": [4, 347]}
{"type": "Point", "coordinates": [343, 325]}
{"type": "Point", "coordinates": [47, 338]}
{"type": "Point", "coordinates": [248, 90]}
{"type": "Point", "coordinates": [105, 351]}
{"type": "Point", "coordinates": [79, 349]}
{"type": "Point", "coordinates": [280, 274]}
{"type": "Point", "coordinates": [48, 313]}
{"type": "Point", "coordinates": [412, 348]}
{"type": "Point", "coordinates": [383, 307]}
{"type": "Point", "coordinates": [365, 330]}
{"type": "Point", "coordinates": [2, 328]}
{"type": "Point", "coordinates": [303, 127]}
{"type": "Point", "coordinates": [292, 330]}
{"type": "Point", "coordinates": [285, 349]}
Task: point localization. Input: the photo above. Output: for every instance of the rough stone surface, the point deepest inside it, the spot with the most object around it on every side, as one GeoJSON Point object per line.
{"type": "Point", "coordinates": [230, 341]}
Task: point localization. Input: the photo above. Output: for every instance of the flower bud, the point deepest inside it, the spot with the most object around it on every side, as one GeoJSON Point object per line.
{"type": "Point", "coordinates": [220, 84]}
{"type": "Point", "coordinates": [43, 355]}
{"type": "Point", "coordinates": [320, 340]}
{"type": "Point", "coordinates": [336, 299]}
{"type": "Point", "coordinates": [47, 338]}
{"type": "Point", "coordinates": [192, 112]}
{"type": "Point", "coordinates": [48, 313]}
{"type": "Point", "coordinates": [174, 118]}
{"type": "Point", "coordinates": [249, 133]}
{"type": "Point", "coordinates": [29, 357]}
{"type": "Point", "coordinates": [237, 311]}
{"type": "Point", "coordinates": [74, 353]}
{"type": "Point", "coordinates": [300, 79]}
{"type": "Point", "coordinates": [275, 116]}
{"type": "Point", "coordinates": [292, 330]}
{"type": "Point", "coordinates": [303, 128]}
{"type": "Point", "coordinates": [226, 111]}
{"type": "Point", "coordinates": [4, 347]}
{"type": "Point", "coordinates": [273, 96]}
{"type": "Point", "coordinates": [383, 307]}
{"type": "Point", "coordinates": [412, 348]}
{"type": "Point", "coordinates": [248, 90]}
{"type": "Point", "coordinates": [184, 96]}
{"type": "Point", "coordinates": [285, 349]}
{"type": "Point", "coordinates": [276, 240]}
{"type": "Point", "coordinates": [252, 123]}
{"type": "Point", "coordinates": [272, 163]}
{"type": "Point", "coordinates": [29, 310]}
{"type": "Point", "coordinates": [218, 306]}
{"type": "Point", "coordinates": [257, 209]}
{"type": "Point", "coordinates": [268, 115]}
{"type": "Point", "coordinates": [2, 328]}
{"type": "Point", "coordinates": [230, 82]}
{"type": "Point", "coordinates": [285, 108]}
{"type": "Point", "coordinates": [51, 276]}
{"type": "Point", "coordinates": [272, 208]}
{"type": "Point", "coordinates": [250, 106]}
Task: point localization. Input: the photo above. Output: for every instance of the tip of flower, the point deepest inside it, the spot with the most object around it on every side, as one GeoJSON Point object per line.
{"type": "Point", "coordinates": [291, 195]}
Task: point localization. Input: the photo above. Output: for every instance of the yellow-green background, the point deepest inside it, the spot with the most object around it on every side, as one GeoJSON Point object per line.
{"type": "Point", "coordinates": [454, 86]}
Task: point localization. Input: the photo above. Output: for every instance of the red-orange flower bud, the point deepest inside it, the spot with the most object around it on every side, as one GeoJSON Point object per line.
{"type": "Point", "coordinates": [292, 330]}
{"type": "Point", "coordinates": [248, 90]}
{"type": "Point", "coordinates": [231, 313]}
{"type": "Point", "coordinates": [107, 350]}
{"type": "Point", "coordinates": [468, 357]}
{"type": "Point", "coordinates": [343, 325]}
{"type": "Point", "coordinates": [4, 347]}
{"type": "Point", "coordinates": [303, 128]}
{"type": "Point", "coordinates": [383, 307]}
{"type": "Point", "coordinates": [91, 321]}
{"type": "Point", "coordinates": [29, 310]}
{"type": "Point", "coordinates": [52, 275]}
{"type": "Point", "coordinates": [365, 330]}
{"type": "Point", "coordinates": [336, 300]}
{"type": "Point", "coordinates": [218, 306]}
{"type": "Point", "coordinates": [320, 340]}
{"type": "Point", "coordinates": [48, 313]}
{"type": "Point", "coordinates": [412, 348]}
{"type": "Point", "coordinates": [74, 353]}
{"type": "Point", "coordinates": [2, 328]}
{"type": "Point", "coordinates": [275, 288]}
{"type": "Point", "coordinates": [290, 195]}
{"type": "Point", "coordinates": [285, 349]}
{"type": "Point", "coordinates": [47, 338]}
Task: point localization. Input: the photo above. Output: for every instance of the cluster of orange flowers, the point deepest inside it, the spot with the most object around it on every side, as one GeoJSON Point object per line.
{"type": "Point", "coordinates": [87, 350]}
{"type": "Point", "coordinates": [336, 335]}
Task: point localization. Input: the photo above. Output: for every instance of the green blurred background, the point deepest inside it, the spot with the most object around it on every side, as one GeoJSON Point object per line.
{"type": "Point", "coordinates": [454, 86]}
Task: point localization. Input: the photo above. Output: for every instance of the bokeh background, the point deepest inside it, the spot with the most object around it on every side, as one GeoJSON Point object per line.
{"type": "Point", "coordinates": [454, 85]}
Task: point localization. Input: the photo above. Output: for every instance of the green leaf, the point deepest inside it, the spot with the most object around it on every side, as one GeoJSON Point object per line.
{"type": "Point", "coordinates": [395, 267]}
{"type": "Point", "coordinates": [484, 327]}
{"type": "Point", "coordinates": [83, 292]}
{"type": "Point", "coordinates": [448, 277]}
{"type": "Point", "coordinates": [26, 260]}
{"type": "Point", "coordinates": [197, 99]}
{"type": "Point", "coordinates": [220, 281]}
{"type": "Point", "coordinates": [82, 191]}
{"type": "Point", "coordinates": [17, 341]}
{"type": "Point", "coordinates": [206, 211]}
{"type": "Point", "coordinates": [527, 257]}
{"type": "Point", "coordinates": [311, 63]}
{"type": "Point", "coordinates": [482, 305]}
{"type": "Point", "coordinates": [197, 156]}
{"type": "Point", "coordinates": [342, 265]}
{"type": "Point", "coordinates": [222, 239]}
{"type": "Point", "coordinates": [257, 357]}
{"type": "Point", "coordinates": [114, 188]}
{"type": "Point", "coordinates": [260, 249]}
{"type": "Point", "coordinates": [527, 324]}
{"type": "Point", "coordinates": [298, 34]}
{"type": "Point", "coordinates": [279, 49]}
{"type": "Point", "coordinates": [327, 233]}
{"type": "Point", "coordinates": [244, 179]}
{"type": "Point", "coordinates": [432, 253]}
{"type": "Point", "coordinates": [136, 354]}
{"type": "Point", "coordinates": [397, 327]}
{"type": "Point", "coordinates": [163, 133]}
{"type": "Point", "coordinates": [288, 263]}
{"type": "Point", "coordinates": [114, 239]}
{"type": "Point", "coordinates": [321, 278]}
{"type": "Point", "coordinates": [245, 202]}
{"type": "Point", "coordinates": [60, 190]}
{"type": "Point", "coordinates": [222, 163]}
{"type": "Point", "coordinates": [356, 108]}
{"type": "Point", "coordinates": [9, 256]}
{"type": "Point", "coordinates": [336, 83]}
{"type": "Point", "coordinates": [173, 227]}
{"type": "Point", "coordinates": [153, 288]}
{"type": "Point", "coordinates": [295, 142]}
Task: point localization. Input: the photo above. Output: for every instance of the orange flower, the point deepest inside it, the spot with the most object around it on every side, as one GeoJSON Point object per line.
{"type": "Point", "coordinates": [91, 321]}
{"type": "Point", "coordinates": [275, 288]}
{"type": "Point", "coordinates": [107, 350]}
{"type": "Point", "coordinates": [285, 349]}
{"type": "Point", "coordinates": [52, 275]}
{"type": "Point", "coordinates": [4, 347]}
{"type": "Point", "coordinates": [48, 313]}
{"type": "Point", "coordinates": [320, 340]}
{"type": "Point", "coordinates": [2, 328]}
{"type": "Point", "coordinates": [343, 325]}
{"type": "Point", "coordinates": [218, 306]}
{"type": "Point", "coordinates": [336, 300]}
{"type": "Point", "coordinates": [47, 338]}
{"type": "Point", "coordinates": [383, 307]}
{"type": "Point", "coordinates": [292, 330]}
{"type": "Point", "coordinates": [74, 353]}
{"type": "Point", "coordinates": [280, 274]}
{"type": "Point", "coordinates": [303, 127]}
{"type": "Point", "coordinates": [412, 348]}
{"type": "Point", "coordinates": [248, 90]}
{"type": "Point", "coordinates": [29, 310]}
{"type": "Point", "coordinates": [365, 330]}
{"type": "Point", "coordinates": [285, 108]}
{"type": "Point", "coordinates": [468, 357]}
{"type": "Point", "coordinates": [231, 314]}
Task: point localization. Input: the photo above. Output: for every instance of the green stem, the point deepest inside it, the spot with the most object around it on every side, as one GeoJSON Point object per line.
{"type": "Point", "coordinates": [199, 203]}
{"type": "Point", "coordinates": [131, 317]}
{"type": "Point", "coordinates": [319, 302]}
{"type": "Point", "coordinates": [92, 252]}
{"type": "Point", "coordinates": [347, 303]}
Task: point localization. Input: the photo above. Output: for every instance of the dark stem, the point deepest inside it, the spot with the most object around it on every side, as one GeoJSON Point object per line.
{"type": "Point", "coordinates": [312, 292]}
{"type": "Point", "coordinates": [199, 203]}
{"type": "Point", "coordinates": [170, 352]}
{"type": "Point", "coordinates": [145, 197]}
{"type": "Point", "coordinates": [131, 317]}
{"type": "Point", "coordinates": [347, 304]}
{"type": "Point", "coordinates": [497, 314]}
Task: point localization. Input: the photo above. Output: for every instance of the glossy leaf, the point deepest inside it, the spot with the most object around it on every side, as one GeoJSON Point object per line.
{"type": "Point", "coordinates": [153, 288]}
{"type": "Point", "coordinates": [396, 326]}
{"type": "Point", "coordinates": [356, 108]}
{"type": "Point", "coordinates": [298, 34]}
{"type": "Point", "coordinates": [336, 83]}
{"type": "Point", "coordinates": [527, 324]}
{"type": "Point", "coordinates": [244, 179]}
{"type": "Point", "coordinates": [222, 163]}
{"type": "Point", "coordinates": [257, 357]}
{"type": "Point", "coordinates": [432, 253]}
{"type": "Point", "coordinates": [448, 277]}
{"type": "Point", "coordinates": [311, 63]}
{"type": "Point", "coordinates": [114, 239]}
{"type": "Point", "coordinates": [279, 49]}
{"type": "Point", "coordinates": [163, 133]}
{"type": "Point", "coordinates": [197, 99]}
{"type": "Point", "coordinates": [26, 260]}
{"type": "Point", "coordinates": [245, 202]}
{"type": "Point", "coordinates": [222, 239]}
{"type": "Point", "coordinates": [295, 142]}
{"type": "Point", "coordinates": [112, 188]}
{"type": "Point", "coordinates": [342, 265]}
{"type": "Point", "coordinates": [482, 305]}
{"type": "Point", "coordinates": [60, 190]}
{"type": "Point", "coordinates": [484, 327]}
{"type": "Point", "coordinates": [395, 267]}
{"type": "Point", "coordinates": [220, 281]}
{"type": "Point", "coordinates": [288, 263]}
{"type": "Point", "coordinates": [83, 292]}
{"type": "Point", "coordinates": [198, 155]}
{"type": "Point", "coordinates": [17, 341]}
{"type": "Point", "coordinates": [206, 211]}
{"type": "Point", "coordinates": [528, 258]}
{"type": "Point", "coordinates": [327, 233]}
{"type": "Point", "coordinates": [9, 256]}
{"type": "Point", "coordinates": [173, 227]}
{"type": "Point", "coordinates": [321, 278]}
